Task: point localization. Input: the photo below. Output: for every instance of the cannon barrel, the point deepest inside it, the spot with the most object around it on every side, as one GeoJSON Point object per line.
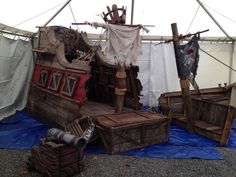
{"type": "Point", "coordinates": [55, 134]}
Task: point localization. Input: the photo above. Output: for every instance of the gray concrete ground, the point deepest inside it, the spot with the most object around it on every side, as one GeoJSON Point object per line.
{"type": "Point", "coordinates": [13, 164]}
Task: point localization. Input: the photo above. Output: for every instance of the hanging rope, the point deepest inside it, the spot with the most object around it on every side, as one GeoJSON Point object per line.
{"type": "Point", "coordinates": [72, 13]}
{"type": "Point", "coordinates": [220, 14]}
{"type": "Point", "coordinates": [38, 15]}
{"type": "Point", "coordinates": [218, 60]}
{"type": "Point", "coordinates": [92, 51]}
{"type": "Point", "coordinates": [193, 19]}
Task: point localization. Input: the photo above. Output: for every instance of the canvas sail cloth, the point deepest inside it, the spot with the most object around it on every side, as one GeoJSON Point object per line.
{"type": "Point", "coordinates": [123, 44]}
{"type": "Point", "coordinates": [16, 67]}
{"type": "Point", "coordinates": [187, 60]}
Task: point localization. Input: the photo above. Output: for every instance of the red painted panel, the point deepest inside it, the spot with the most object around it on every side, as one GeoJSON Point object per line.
{"type": "Point", "coordinates": [79, 91]}
{"type": "Point", "coordinates": [36, 74]}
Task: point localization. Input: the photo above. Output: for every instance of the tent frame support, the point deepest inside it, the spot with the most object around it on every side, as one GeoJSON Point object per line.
{"type": "Point", "coordinates": [211, 16]}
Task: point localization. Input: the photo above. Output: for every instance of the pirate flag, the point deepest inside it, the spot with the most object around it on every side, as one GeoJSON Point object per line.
{"type": "Point", "coordinates": [187, 60]}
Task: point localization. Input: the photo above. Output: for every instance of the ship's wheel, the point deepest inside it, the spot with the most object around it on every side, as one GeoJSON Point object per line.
{"type": "Point", "coordinates": [115, 15]}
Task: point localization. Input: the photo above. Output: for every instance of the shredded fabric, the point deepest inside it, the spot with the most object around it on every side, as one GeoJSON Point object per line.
{"type": "Point", "coordinates": [188, 57]}
{"type": "Point", "coordinates": [187, 61]}
{"type": "Point", "coordinates": [123, 43]}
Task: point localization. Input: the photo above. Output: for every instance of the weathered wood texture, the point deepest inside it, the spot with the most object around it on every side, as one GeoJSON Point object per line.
{"type": "Point", "coordinates": [120, 88]}
{"type": "Point", "coordinates": [126, 131]}
{"type": "Point", "coordinates": [175, 100]}
{"type": "Point", "coordinates": [75, 128]}
{"type": "Point", "coordinates": [68, 53]}
{"type": "Point", "coordinates": [79, 126]}
{"type": "Point", "coordinates": [113, 16]}
{"type": "Point", "coordinates": [47, 41]}
{"type": "Point", "coordinates": [228, 125]}
{"type": "Point", "coordinates": [184, 82]}
{"type": "Point", "coordinates": [92, 108]}
{"type": "Point", "coordinates": [209, 117]}
{"type": "Point", "coordinates": [56, 160]}
{"type": "Point", "coordinates": [102, 85]}
{"type": "Point", "coordinates": [52, 109]}
{"type": "Point", "coordinates": [211, 114]}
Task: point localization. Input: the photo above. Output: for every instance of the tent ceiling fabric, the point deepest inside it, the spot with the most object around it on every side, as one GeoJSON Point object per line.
{"type": "Point", "coordinates": [144, 13]}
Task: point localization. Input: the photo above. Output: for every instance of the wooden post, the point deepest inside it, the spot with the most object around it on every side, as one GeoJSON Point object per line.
{"type": "Point", "coordinates": [230, 117]}
{"type": "Point", "coordinates": [228, 125]}
{"type": "Point", "coordinates": [184, 82]}
{"type": "Point", "coordinates": [120, 88]}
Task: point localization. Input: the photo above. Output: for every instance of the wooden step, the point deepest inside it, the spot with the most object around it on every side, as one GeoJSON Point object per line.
{"type": "Point", "coordinates": [208, 127]}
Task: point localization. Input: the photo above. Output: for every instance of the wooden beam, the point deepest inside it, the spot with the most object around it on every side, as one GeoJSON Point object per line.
{"type": "Point", "coordinates": [228, 126]}
{"type": "Point", "coordinates": [120, 89]}
{"type": "Point", "coordinates": [184, 82]}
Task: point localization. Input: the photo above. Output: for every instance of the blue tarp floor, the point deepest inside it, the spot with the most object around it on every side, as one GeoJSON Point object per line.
{"type": "Point", "coordinates": [23, 132]}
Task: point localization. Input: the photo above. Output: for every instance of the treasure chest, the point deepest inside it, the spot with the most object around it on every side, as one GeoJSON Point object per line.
{"type": "Point", "coordinates": [126, 131]}
{"type": "Point", "coordinates": [56, 160]}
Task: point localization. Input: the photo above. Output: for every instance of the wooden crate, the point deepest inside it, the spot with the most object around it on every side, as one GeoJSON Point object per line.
{"type": "Point", "coordinates": [56, 160]}
{"type": "Point", "coordinates": [126, 131]}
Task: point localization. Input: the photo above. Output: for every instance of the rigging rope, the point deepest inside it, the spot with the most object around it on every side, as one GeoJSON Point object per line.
{"type": "Point", "coordinates": [92, 51]}
{"type": "Point", "coordinates": [220, 14]}
{"type": "Point", "coordinates": [193, 19]}
{"type": "Point", "coordinates": [218, 60]}
{"type": "Point", "coordinates": [72, 13]}
{"type": "Point", "coordinates": [38, 15]}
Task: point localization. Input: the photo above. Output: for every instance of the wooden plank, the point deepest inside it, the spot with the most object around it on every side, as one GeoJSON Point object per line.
{"type": "Point", "coordinates": [51, 109]}
{"type": "Point", "coordinates": [75, 128]}
{"type": "Point", "coordinates": [131, 118]}
{"type": "Point", "coordinates": [228, 125]}
{"type": "Point", "coordinates": [209, 134]}
{"type": "Point", "coordinates": [151, 116]}
{"type": "Point", "coordinates": [211, 112]}
{"type": "Point", "coordinates": [52, 159]}
{"type": "Point", "coordinates": [129, 145]}
{"type": "Point", "coordinates": [207, 126]}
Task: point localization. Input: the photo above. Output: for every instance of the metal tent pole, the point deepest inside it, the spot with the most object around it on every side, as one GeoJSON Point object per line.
{"type": "Point", "coordinates": [221, 28]}
{"type": "Point", "coordinates": [57, 13]}
{"type": "Point", "coordinates": [132, 12]}
{"type": "Point", "coordinates": [35, 34]}
{"type": "Point", "coordinates": [228, 36]}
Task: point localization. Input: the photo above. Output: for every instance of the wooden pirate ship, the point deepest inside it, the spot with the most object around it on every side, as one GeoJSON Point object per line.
{"type": "Point", "coordinates": [59, 88]}
{"type": "Point", "coordinates": [72, 77]}
{"type": "Point", "coordinates": [71, 71]}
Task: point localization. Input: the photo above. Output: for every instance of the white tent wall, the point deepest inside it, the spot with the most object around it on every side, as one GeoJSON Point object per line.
{"type": "Point", "coordinates": [233, 78]}
{"type": "Point", "coordinates": [210, 72]}
{"type": "Point", "coordinates": [158, 72]}
{"type": "Point", "coordinates": [16, 67]}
